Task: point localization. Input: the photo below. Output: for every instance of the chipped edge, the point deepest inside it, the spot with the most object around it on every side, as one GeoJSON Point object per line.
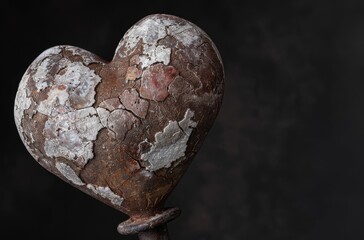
{"type": "Point", "coordinates": [106, 192]}
{"type": "Point", "coordinates": [68, 173]}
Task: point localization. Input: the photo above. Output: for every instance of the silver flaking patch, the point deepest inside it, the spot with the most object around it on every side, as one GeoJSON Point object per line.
{"type": "Point", "coordinates": [56, 97]}
{"type": "Point", "coordinates": [73, 123]}
{"type": "Point", "coordinates": [170, 144]}
{"type": "Point", "coordinates": [40, 76]}
{"type": "Point", "coordinates": [47, 53]}
{"type": "Point", "coordinates": [186, 123]}
{"type": "Point", "coordinates": [154, 54]}
{"type": "Point", "coordinates": [22, 102]}
{"type": "Point", "coordinates": [80, 82]}
{"type": "Point", "coordinates": [106, 192]}
{"type": "Point", "coordinates": [70, 135]}
{"type": "Point", "coordinates": [87, 123]}
{"type": "Point", "coordinates": [68, 173]}
{"type": "Point", "coordinates": [149, 31]}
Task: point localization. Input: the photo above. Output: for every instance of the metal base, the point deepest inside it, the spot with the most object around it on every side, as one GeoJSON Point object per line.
{"type": "Point", "coordinates": [150, 228]}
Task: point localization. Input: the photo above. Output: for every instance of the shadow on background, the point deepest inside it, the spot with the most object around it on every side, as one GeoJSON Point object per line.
{"type": "Point", "coordinates": [284, 159]}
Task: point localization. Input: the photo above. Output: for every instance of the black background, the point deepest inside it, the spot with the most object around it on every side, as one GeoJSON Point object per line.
{"type": "Point", "coordinates": [285, 158]}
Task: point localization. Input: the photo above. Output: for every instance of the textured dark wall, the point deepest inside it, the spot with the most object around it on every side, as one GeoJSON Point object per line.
{"type": "Point", "coordinates": [284, 160]}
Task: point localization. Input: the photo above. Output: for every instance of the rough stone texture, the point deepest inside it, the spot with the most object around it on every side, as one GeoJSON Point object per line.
{"type": "Point", "coordinates": [123, 131]}
{"type": "Point", "coordinates": [131, 100]}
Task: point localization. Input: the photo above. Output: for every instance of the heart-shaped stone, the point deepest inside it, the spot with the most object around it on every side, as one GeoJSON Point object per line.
{"type": "Point", "coordinates": [123, 131]}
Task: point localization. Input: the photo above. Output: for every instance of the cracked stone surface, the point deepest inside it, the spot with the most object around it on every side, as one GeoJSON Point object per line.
{"type": "Point", "coordinates": [123, 131]}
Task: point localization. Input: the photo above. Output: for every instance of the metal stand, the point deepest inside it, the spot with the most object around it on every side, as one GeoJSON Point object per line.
{"type": "Point", "coordinates": [150, 228]}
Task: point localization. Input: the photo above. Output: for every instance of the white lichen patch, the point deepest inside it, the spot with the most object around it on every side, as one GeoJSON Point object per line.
{"type": "Point", "coordinates": [170, 144]}
{"type": "Point", "coordinates": [87, 123]}
{"type": "Point", "coordinates": [46, 54]}
{"type": "Point", "coordinates": [72, 89]}
{"type": "Point", "coordinates": [40, 76]}
{"type": "Point", "coordinates": [73, 124]}
{"type": "Point", "coordinates": [70, 135]}
{"type": "Point", "coordinates": [42, 66]}
{"type": "Point", "coordinates": [154, 54]}
{"type": "Point", "coordinates": [22, 102]}
{"type": "Point", "coordinates": [106, 192]}
{"type": "Point", "coordinates": [69, 173]}
{"type": "Point", "coordinates": [149, 31]}
{"type": "Point", "coordinates": [186, 124]}
{"type": "Point", "coordinates": [56, 97]}
{"type": "Point", "coordinates": [80, 82]}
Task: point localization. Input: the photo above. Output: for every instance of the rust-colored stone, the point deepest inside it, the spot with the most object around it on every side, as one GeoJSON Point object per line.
{"type": "Point", "coordinates": [123, 131]}
{"type": "Point", "coordinates": [155, 81]}
{"type": "Point", "coordinates": [131, 100]}
{"type": "Point", "coordinates": [133, 73]}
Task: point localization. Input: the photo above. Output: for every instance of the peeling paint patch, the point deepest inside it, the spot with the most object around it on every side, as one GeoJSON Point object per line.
{"type": "Point", "coordinates": [74, 88]}
{"type": "Point", "coordinates": [46, 54]}
{"type": "Point", "coordinates": [80, 82]}
{"type": "Point", "coordinates": [131, 100]}
{"type": "Point", "coordinates": [70, 135]}
{"type": "Point", "coordinates": [149, 31]}
{"type": "Point", "coordinates": [170, 144]}
{"type": "Point", "coordinates": [106, 192]}
{"type": "Point", "coordinates": [56, 102]}
{"type": "Point", "coordinates": [41, 74]}
{"type": "Point", "coordinates": [72, 122]}
{"type": "Point", "coordinates": [68, 173]}
{"type": "Point", "coordinates": [155, 81]}
{"type": "Point", "coordinates": [22, 102]}
{"type": "Point", "coordinates": [87, 123]}
{"type": "Point", "coordinates": [154, 54]}
{"type": "Point", "coordinates": [42, 77]}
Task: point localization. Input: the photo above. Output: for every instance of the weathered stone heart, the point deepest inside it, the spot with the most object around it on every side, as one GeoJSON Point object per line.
{"type": "Point", "coordinates": [123, 131]}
